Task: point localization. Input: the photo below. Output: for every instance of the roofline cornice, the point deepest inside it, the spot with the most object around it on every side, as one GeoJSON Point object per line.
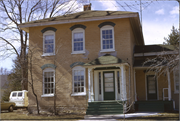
{"type": "Point", "coordinates": [25, 27]}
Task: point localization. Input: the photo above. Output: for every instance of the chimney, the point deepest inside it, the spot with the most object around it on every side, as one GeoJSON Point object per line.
{"type": "Point", "coordinates": [87, 7]}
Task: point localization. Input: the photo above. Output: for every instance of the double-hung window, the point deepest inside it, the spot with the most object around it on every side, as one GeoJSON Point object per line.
{"type": "Point", "coordinates": [176, 80]}
{"type": "Point", "coordinates": [107, 38]}
{"type": "Point", "coordinates": [78, 41]}
{"type": "Point", "coordinates": [48, 43]}
{"type": "Point", "coordinates": [79, 86]}
{"type": "Point", "coordinates": [48, 82]}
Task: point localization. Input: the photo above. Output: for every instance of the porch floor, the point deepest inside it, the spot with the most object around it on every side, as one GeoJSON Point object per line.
{"type": "Point", "coordinates": [154, 106]}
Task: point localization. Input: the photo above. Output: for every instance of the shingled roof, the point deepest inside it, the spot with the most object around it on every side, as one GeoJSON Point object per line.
{"type": "Point", "coordinates": [153, 48]}
{"type": "Point", "coordinates": [83, 14]}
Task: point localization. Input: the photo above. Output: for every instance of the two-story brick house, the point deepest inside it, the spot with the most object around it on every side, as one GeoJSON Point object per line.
{"type": "Point", "coordinates": [88, 56]}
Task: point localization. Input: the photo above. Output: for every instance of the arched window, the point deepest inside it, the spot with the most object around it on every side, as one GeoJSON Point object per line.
{"type": "Point", "coordinates": [78, 41]}
{"type": "Point", "coordinates": [48, 43]}
{"type": "Point", "coordinates": [79, 83]}
{"type": "Point", "coordinates": [107, 38]}
{"type": "Point", "coordinates": [48, 82]}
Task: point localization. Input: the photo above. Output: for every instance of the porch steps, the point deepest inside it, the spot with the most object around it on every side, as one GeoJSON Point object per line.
{"type": "Point", "coordinates": [154, 106]}
{"type": "Point", "coordinates": [105, 107]}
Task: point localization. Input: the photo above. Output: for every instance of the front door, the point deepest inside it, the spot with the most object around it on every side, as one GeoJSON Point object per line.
{"type": "Point", "coordinates": [151, 87]}
{"type": "Point", "coordinates": [109, 91]}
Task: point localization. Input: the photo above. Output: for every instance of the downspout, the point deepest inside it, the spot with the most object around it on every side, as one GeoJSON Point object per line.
{"type": "Point", "coordinates": [129, 84]}
{"type": "Point", "coordinates": [135, 86]}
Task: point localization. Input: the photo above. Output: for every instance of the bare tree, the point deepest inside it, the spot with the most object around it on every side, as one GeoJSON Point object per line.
{"type": "Point", "coordinates": [15, 12]}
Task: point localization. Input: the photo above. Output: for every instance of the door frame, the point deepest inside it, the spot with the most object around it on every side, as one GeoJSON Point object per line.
{"type": "Point", "coordinates": [113, 83]}
{"type": "Point", "coordinates": [151, 73]}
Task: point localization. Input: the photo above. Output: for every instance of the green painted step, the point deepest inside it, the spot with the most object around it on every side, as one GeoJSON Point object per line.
{"type": "Point", "coordinates": [102, 108]}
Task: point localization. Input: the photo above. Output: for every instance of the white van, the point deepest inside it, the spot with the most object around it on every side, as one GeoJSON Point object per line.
{"type": "Point", "coordinates": [20, 98]}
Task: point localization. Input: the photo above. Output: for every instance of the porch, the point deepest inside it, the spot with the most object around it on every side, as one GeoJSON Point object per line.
{"type": "Point", "coordinates": [154, 106]}
{"type": "Point", "coordinates": [108, 78]}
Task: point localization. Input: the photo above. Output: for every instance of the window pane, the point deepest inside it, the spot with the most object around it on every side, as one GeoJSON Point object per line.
{"type": "Point", "coordinates": [49, 44]}
{"type": "Point", "coordinates": [75, 89]}
{"type": "Point", "coordinates": [79, 89]}
{"type": "Point", "coordinates": [78, 80]}
{"type": "Point", "coordinates": [82, 89]}
{"type": "Point", "coordinates": [14, 94]}
{"type": "Point", "coordinates": [82, 83]}
{"type": "Point", "coordinates": [107, 42]}
{"type": "Point", "coordinates": [48, 82]}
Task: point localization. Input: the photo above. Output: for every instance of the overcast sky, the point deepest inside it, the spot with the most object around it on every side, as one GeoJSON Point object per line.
{"type": "Point", "coordinates": [157, 18]}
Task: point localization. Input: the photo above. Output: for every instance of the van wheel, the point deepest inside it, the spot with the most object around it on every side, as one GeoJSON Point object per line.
{"type": "Point", "coordinates": [11, 108]}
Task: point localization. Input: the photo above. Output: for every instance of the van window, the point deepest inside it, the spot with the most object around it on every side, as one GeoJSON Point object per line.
{"type": "Point", "coordinates": [19, 94]}
{"type": "Point", "coordinates": [14, 94]}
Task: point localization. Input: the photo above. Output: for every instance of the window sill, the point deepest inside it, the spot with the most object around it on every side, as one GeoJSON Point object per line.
{"type": "Point", "coordinates": [47, 95]}
{"type": "Point", "coordinates": [49, 54]}
{"type": "Point", "coordinates": [79, 52]}
{"type": "Point", "coordinates": [79, 94]}
{"type": "Point", "coordinates": [112, 50]}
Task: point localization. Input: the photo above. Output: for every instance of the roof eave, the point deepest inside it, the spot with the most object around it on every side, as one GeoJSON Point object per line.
{"type": "Point", "coordinates": [26, 27]}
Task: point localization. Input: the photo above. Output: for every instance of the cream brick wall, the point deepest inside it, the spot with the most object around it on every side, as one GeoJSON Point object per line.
{"type": "Point", "coordinates": [124, 43]}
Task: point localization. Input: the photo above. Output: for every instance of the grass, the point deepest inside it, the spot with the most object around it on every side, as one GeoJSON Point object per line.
{"type": "Point", "coordinates": [20, 116]}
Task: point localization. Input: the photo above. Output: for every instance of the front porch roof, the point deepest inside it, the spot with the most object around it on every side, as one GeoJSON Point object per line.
{"type": "Point", "coordinates": [105, 60]}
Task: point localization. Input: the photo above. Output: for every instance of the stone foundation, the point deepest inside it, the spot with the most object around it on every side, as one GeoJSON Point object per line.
{"type": "Point", "coordinates": [59, 109]}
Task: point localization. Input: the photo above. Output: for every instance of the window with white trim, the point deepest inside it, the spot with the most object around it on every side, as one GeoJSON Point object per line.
{"type": "Point", "coordinates": [48, 82]}
{"type": "Point", "coordinates": [78, 41]}
{"type": "Point", "coordinates": [49, 43]}
{"type": "Point", "coordinates": [107, 38]}
{"type": "Point", "coordinates": [79, 85]}
{"type": "Point", "coordinates": [176, 80]}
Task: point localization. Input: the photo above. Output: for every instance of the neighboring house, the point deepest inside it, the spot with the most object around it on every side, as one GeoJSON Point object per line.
{"type": "Point", "coordinates": [90, 57]}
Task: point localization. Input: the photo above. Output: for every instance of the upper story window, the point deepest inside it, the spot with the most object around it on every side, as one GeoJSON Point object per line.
{"type": "Point", "coordinates": [79, 86]}
{"type": "Point", "coordinates": [48, 43]}
{"type": "Point", "coordinates": [107, 38]}
{"type": "Point", "coordinates": [48, 82]}
{"type": "Point", "coordinates": [176, 80]}
{"type": "Point", "coordinates": [78, 41]}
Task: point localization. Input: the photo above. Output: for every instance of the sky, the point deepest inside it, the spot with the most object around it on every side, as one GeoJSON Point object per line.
{"type": "Point", "coordinates": [158, 17]}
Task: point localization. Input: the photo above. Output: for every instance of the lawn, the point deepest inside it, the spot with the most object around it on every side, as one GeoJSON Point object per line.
{"type": "Point", "coordinates": [14, 116]}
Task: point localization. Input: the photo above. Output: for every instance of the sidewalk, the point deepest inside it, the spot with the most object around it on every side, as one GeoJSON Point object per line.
{"type": "Point", "coordinates": [118, 116]}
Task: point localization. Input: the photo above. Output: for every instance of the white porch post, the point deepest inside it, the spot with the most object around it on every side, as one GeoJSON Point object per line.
{"type": "Point", "coordinates": [92, 90]}
{"type": "Point", "coordinates": [169, 84]}
{"type": "Point", "coordinates": [123, 75]}
{"type": "Point", "coordinates": [89, 84]}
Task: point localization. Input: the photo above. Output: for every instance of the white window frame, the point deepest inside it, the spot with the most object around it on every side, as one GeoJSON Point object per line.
{"type": "Point", "coordinates": [107, 27]}
{"type": "Point", "coordinates": [174, 71]}
{"type": "Point", "coordinates": [44, 34]}
{"type": "Point", "coordinates": [77, 30]}
{"type": "Point", "coordinates": [48, 70]}
{"type": "Point", "coordinates": [78, 68]}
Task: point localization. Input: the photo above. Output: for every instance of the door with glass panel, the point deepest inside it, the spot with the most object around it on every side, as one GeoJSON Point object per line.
{"type": "Point", "coordinates": [109, 91]}
{"type": "Point", "coordinates": [151, 87]}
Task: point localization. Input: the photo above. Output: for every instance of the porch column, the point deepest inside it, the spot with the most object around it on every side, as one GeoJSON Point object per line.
{"type": "Point", "coordinates": [123, 75]}
{"type": "Point", "coordinates": [92, 90]}
{"type": "Point", "coordinates": [89, 84]}
{"type": "Point", "coordinates": [169, 84]}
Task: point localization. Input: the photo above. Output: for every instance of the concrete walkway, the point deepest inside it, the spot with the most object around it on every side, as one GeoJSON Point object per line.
{"type": "Point", "coordinates": [118, 116]}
